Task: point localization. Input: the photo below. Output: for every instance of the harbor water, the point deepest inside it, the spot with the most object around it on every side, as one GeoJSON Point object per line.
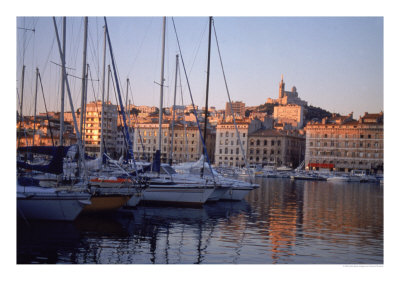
{"type": "Point", "coordinates": [282, 222]}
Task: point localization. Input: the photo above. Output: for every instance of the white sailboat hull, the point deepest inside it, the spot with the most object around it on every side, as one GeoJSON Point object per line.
{"type": "Point", "coordinates": [177, 194]}
{"type": "Point", "coordinates": [49, 204]}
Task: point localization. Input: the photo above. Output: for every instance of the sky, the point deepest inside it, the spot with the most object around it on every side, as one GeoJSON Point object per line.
{"type": "Point", "coordinates": [336, 63]}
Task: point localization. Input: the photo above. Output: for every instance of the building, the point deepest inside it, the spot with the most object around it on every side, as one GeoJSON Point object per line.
{"type": "Point", "coordinates": [341, 143]}
{"type": "Point", "coordinates": [238, 108]}
{"type": "Point", "coordinates": [45, 130]}
{"type": "Point", "coordinates": [292, 114]}
{"type": "Point", "coordinates": [287, 97]}
{"type": "Point", "coordinates": [187, 144]}
{"type": "Point", "coordinates": [92, 127]}
{"type": "Point", "coordinates": [228, 151]}
{"type": "Point", "coordinates": [276, 147]}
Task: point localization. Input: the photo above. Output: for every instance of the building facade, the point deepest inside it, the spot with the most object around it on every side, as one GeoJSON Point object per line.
{"type": "Point", "coordinates": [187, 144]}
{"type": "Point", "coordinates": [44, 131]}
{"type": "Point", "coordinates": [276, 148]}
{"type": "Point", "coordinates": [238, 108]}
{"type": "Point", "coordinates": [228, 151]}
{"type": "Point", "coordinates": [292, 114]}
{"type": "Point", "coordinates": [344, 144]}
{"type": "Point", "coordinates": [92, 127]}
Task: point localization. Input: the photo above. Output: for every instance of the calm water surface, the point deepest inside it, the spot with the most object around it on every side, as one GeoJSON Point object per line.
{"type": "Point", "coordinates": [284, 222]}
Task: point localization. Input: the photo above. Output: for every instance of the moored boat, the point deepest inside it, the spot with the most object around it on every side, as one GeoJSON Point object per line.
{"type": "Point", "coordinates": [39, 203]}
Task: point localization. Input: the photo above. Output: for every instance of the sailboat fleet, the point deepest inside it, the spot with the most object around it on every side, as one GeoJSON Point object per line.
{"type": "Point", "coordinates": [70, 184]}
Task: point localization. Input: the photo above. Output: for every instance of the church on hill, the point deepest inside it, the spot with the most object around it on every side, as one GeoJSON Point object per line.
{"type": "Point", "coordinates": [287, 97]}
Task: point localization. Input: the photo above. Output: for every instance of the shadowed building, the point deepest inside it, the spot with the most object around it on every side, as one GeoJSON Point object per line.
{"type": "Point", "coordinates": [276, 147]}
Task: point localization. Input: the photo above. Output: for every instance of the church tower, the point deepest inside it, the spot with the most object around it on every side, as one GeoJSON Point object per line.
{"type": "Point", "coordinates": [281, 88]}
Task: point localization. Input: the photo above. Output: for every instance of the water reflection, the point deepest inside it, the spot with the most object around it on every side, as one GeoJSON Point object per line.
{"type": "Point", "coordinates": [283, 221]}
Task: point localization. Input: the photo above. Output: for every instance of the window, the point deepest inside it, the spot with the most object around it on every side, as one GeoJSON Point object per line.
{"type": "Point", "coordinates": [265, 142]}
{"type": "Point", "coordinates": [273, 143]}
{"type": "Point", "coordinates": [258, 142]}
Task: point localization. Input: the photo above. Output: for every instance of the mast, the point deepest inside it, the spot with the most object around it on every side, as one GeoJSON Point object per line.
{"type": "Point", "coordinates": [83, 76]}
{"type": "Point", "coordinates": [126, 106]}
{"type": "Point", "coordinates": [130, 148]}
{"type": "Point", "coordinates": [102, 96]}
{"type": "Point", "coordinates": [108, 96]}
{"type": "Point", "coordinates": [22, 100]}
{"type": "Point", "coordinates": [160, 113]}
{"type": "Point", "coordinates": [78, 133]}
{"type": "Point", "coordinates": [207, 91]}
{"type": "Point", "coordinates": [84, 110]}
{"type": "Point", "coordinates": [62, 85]}
{"type": "Point", "coordinates": [173, 109]}
{"type": "Point", "coordinates": [34, 114]}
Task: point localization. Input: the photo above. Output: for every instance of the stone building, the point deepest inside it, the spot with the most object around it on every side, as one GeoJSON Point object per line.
{"type": "Point", "coordinates": [238, 108]}
{"type": "Point", "coordinates": [292, 114]}
{"type": "Point", "coordinates": [45, 130]}
{"type": "Point", "coordinates": [276, 147]}
{"type": "Point", "coordinates": [228, 151]}
{"type": "Point", "coordinates": [187, 144]}
{"type": "Point", "coordinates": [92, 127]}
{"type": "Point", "coordinates": [341, 143]}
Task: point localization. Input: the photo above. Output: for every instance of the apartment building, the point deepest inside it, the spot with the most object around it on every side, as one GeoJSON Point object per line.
{"type": "Point", "coordinates": [276, 147]}
{"type": "Point", "coordinates": [186, 144]}
{"type": "Point", "coordinates": [228, 145]}
{"type": "Point", "coordinates": [341, 143]}
{"type": "Point", "coordinates": [92, 127]}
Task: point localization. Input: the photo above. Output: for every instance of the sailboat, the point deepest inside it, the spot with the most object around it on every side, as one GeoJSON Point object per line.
{"type": "Point", "coordinates": [62, 203]}
{"type": "Point", "coordinates": [166, 189]}
{"type": "Point", "coordinates": [108, 191]}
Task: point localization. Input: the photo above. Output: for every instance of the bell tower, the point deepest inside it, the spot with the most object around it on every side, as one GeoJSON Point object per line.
{"type": "Point", "coordinates": [281, 88]}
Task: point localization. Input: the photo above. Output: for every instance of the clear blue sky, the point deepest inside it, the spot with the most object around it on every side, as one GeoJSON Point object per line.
{"type": "Point", "coordinates": [335, 62]}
